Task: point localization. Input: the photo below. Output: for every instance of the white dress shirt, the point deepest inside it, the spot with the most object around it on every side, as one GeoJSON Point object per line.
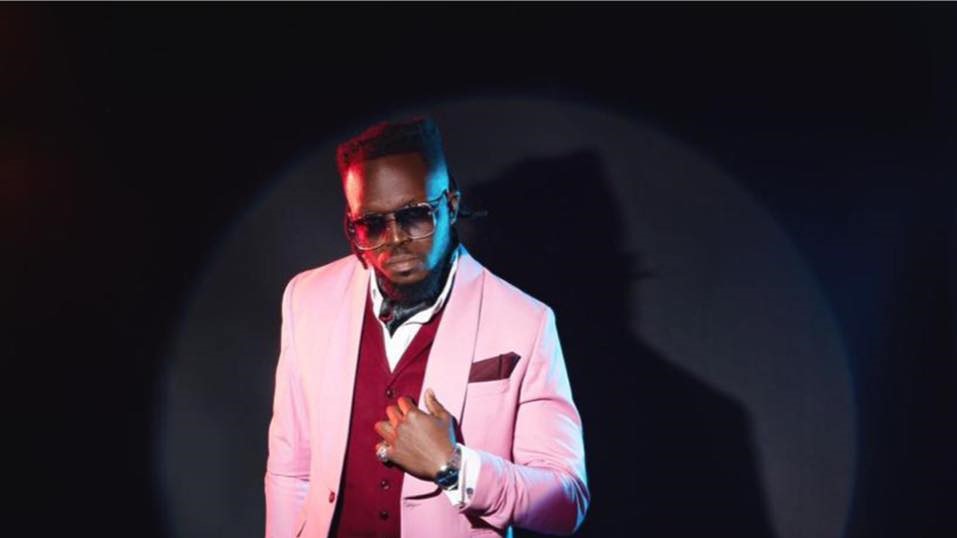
{"type": "Point", "coordinates": [395, 346]}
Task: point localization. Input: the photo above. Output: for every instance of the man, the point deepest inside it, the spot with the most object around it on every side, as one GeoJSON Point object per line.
{"type": "Point", "coordinates": [417, 394]}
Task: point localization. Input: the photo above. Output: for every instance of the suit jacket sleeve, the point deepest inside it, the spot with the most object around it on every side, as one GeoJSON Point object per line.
{"type": "Point", "coordinates": [545, 488]}
{"type": "Point", "coordinates": [287, 466]}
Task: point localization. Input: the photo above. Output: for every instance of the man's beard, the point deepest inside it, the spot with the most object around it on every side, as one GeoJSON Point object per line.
{"type": "Point", "coordinates": [402, 301]}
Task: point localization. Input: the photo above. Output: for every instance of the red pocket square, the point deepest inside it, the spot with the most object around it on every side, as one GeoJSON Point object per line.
{"type": "Point", "coordinates": [493, 368]}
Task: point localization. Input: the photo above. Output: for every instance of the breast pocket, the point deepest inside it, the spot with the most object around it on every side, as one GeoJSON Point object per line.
{"type": "Point", "coordinates": [485, 388]}
{"type": "Point", "coordinates": [489, 415]}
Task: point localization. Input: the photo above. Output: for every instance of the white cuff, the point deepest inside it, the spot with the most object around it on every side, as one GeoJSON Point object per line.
{"type": "Point", "coordinates": [468, 477]}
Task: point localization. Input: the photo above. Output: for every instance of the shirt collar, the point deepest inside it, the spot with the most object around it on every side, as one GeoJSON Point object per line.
{"type": "Point", "coordinates": [426, 314]}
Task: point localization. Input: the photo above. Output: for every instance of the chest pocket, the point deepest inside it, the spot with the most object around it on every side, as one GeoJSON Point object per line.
{"type": "Point", "coordinates": [487, 388]}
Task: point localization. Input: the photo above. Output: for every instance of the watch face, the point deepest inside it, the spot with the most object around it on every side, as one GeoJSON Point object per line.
{"type": "Point", "coordinates": [447, 478]}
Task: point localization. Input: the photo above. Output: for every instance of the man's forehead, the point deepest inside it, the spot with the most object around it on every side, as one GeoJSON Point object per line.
{"type": "Point", "coordinates": [388, 180]}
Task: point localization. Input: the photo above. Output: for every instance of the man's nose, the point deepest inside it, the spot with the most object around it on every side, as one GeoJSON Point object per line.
{"type": "Point", "coordinates": [394, 232]}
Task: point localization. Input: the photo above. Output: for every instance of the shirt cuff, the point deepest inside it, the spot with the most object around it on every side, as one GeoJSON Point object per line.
{"type": "Point", "coordinates": [462, 493]}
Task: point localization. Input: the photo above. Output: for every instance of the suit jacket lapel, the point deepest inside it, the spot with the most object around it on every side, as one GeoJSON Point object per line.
{"type": "Point", "coordinates": [453, 351]}
{"type": "Point", "coordinates": [338, 377]}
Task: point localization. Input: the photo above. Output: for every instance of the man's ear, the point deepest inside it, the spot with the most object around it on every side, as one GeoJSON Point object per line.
{"type": "Point", "coordinates": [454, 206]}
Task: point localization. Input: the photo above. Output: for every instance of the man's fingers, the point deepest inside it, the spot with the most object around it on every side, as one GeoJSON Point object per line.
{"type": "Point", "coordinates": [405, 404]}
{"type": "Point", "coordinates": [394, 415]}
{"type": "Point", "coordinates": [432, 403]}
{"type": "Point", "coordinates": [385, 431]}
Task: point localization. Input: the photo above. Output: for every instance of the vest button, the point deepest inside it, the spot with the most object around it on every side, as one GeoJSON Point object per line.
{"type": "Point", "coordinates": [383, 515]}
{"type": "Point", "coordinates": [332, 496]}
{"type": "Point", "coordinates": [384, 484]}
{"type": "Point", "coordinates": [389, 393]}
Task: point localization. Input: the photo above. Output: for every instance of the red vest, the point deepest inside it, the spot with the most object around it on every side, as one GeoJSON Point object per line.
{"type": "Point", "coordinates": [369, 497]}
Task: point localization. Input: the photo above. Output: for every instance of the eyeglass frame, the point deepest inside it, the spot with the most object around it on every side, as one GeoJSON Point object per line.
{"type": "Point", "coordinates": [433, 205]}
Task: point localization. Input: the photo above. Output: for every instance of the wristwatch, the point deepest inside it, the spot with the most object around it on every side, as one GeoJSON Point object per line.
{"type": "Point", "coordinates": [448, 475]}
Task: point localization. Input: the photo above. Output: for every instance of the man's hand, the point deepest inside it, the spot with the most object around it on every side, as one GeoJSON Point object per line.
{"type": "Point", "coordinates": [418, 442]}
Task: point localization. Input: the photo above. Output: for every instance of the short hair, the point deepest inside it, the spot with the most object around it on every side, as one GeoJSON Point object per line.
{"type": "Point", "coordinates": [419, 135]}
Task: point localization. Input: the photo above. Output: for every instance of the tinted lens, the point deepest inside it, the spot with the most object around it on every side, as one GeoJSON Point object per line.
{"type": "Point", "coordinates": [416, 221]}
{"type": "Point", "coordinates": [370, 230]}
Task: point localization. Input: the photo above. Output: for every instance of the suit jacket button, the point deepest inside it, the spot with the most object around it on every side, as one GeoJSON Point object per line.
{"type": "Point", "coordinates": [332, 496]}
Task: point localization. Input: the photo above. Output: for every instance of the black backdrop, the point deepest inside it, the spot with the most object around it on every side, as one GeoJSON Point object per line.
{"type": "Point", "coordinates": [133, 135]}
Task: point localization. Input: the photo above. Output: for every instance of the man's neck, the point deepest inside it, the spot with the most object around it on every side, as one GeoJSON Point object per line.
{"type": "Point", "coordinates": [402, 302]}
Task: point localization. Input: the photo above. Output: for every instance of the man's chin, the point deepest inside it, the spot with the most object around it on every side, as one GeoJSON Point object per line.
{"type": "Point", "coordinates": [405, 278]}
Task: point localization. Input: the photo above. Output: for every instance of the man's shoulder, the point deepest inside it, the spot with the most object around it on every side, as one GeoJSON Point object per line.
{"type": "Point", "coordinates": [500, 293]}
{"type": "Point", "coordinates": [324, 278]}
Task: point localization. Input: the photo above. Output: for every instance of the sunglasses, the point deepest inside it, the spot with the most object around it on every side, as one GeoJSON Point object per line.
{"type": "Point", "coordinates": [371, 231]}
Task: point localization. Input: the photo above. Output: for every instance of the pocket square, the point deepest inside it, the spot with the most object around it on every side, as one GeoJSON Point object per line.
{"type": "Point", "coordinates": [494, 368]}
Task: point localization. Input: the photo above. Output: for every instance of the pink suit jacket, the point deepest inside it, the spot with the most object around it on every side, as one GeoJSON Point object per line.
{"type": "Point", "coordinates": [525, 428]}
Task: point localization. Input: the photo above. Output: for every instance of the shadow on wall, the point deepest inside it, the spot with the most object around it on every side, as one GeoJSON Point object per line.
{"type": "Point", "coordinates": [666, 455]}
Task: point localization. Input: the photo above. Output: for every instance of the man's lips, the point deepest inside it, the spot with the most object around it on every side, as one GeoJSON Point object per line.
{"type": "Point", "coordinates": [401, 261]}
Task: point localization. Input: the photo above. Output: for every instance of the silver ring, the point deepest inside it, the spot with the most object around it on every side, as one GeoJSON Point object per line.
{"type": "Point", "coordinates": [382, 452]}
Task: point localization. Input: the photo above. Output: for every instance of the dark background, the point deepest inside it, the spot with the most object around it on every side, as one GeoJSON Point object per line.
{"type": "Point", "coordinates": [131, 136]}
